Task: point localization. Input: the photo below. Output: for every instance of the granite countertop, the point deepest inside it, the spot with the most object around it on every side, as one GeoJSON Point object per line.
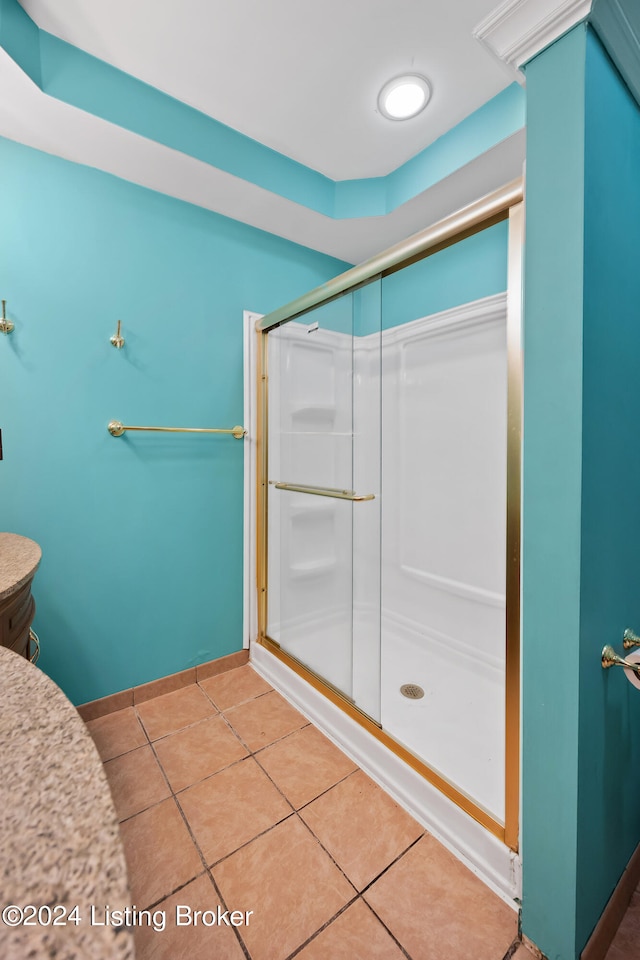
{"type": "Point", "coordinates": [59, 838]}
{"type": "Point", "coordinates": [19, 559]}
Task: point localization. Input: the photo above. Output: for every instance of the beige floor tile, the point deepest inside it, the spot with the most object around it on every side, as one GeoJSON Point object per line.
{"type": "Point", "coordinates": [117, 733]}
{"type": "Point", "coordinates": [305, 764]}
{"type": "Point", "coordinates": [523, 953]}
{"type": "Point", "coordinates": [198, 751]}
{"type": "Point", "coordinates": [265, 860]}
{"type": "Point", "coordinates": [231, 808]}
{"type": "Point", "coordinates": [363, 829]}
{"type": "Point", "coordinates": [228, 689]}
{"type": "Point", "coordinates": [617, 953]}
{"type": "Point", "coordinates": [436, 907]}
{"type": "Point", "coordinates": [188, 942]}
{"type": "Point", "coordinates": [355, 934]}
{"type": "Point", "coordinates": [136, 782]}
{"type": "Point", "coordinates": [173, 711]}
{"type": "Point", "coordinates": [160, 853]}
{"type": "Point", "coordinates": [626, 942]}
{"type": "Point", "coordinates": [289, 882]}
{"type": "Point", "coordinates": [262, 721]}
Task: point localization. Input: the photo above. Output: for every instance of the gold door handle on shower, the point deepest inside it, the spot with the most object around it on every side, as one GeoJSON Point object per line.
{"type": "Point", "coordinates": [336, 492]}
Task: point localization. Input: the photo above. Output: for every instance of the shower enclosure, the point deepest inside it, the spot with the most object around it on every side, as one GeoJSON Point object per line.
{"type": "Point", "coordinates": [389, 501]}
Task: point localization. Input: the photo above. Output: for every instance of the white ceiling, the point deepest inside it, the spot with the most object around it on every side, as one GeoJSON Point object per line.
{"type": "Point", "coordinates": [299, 77]}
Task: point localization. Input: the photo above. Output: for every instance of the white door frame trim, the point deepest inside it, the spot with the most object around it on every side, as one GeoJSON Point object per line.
{"type": "Point", "coordinates": [250, 372]}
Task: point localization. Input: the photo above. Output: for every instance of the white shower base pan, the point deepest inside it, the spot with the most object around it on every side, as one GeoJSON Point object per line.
{"type": "Point", "coordinates": [483, 853]}
{"type": "Point", "coordinates": [457, 727]}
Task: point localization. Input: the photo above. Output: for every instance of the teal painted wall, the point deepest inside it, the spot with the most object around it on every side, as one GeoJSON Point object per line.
{"type": "Point", "coordinates": [581, 519]}
{"type": "Point", "coordinates": [490, 124]}
{"type": "Point", "coordinates": [142, 536]}
{"type": "Point", "coordinates": [609, 772]}
{"type": "Point", "coordinates": [469, 270]}
{"type": "Point", "coordinates": [552, 485]}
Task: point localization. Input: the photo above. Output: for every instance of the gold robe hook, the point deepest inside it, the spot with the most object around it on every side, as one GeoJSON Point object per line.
{"type": "Point", "coordinates": [116, 339]}
{"type": "Point", "coordinates": [6, 326]}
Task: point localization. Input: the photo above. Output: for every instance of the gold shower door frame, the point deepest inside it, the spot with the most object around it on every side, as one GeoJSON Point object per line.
{"type": "Point", "coordinates": [506, 203]}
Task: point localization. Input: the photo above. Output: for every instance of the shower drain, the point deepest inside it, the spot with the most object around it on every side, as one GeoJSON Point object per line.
{"type": "Point", "coordinates": [412, 691]}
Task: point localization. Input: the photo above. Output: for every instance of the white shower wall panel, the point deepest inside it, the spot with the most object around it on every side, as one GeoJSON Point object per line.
{"type": "Point", "coordinates": [444, 542]}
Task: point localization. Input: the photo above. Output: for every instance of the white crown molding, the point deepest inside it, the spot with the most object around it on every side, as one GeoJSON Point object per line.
{"type": "Point", "coordinates": [517, 30]}
{"type": "Point", "coordinates": [620, 36]}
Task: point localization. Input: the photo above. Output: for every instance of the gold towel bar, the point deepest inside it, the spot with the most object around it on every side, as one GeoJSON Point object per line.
{"type": "Point", "coordinates": [116, 429]}
{"type": "Point", "coordinates": [335, 492]}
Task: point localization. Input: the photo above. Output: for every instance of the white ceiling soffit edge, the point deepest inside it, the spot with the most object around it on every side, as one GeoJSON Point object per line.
{"type": "Point", "coordinates": [517, 30]}
{"type": "Point", "coordinates": [54, 127]}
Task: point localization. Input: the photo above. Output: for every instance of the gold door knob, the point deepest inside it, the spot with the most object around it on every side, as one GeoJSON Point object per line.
{"type": "Point", "coordinates": [630, 639]}
{"type": "Point", "coordinates": [610, 658]}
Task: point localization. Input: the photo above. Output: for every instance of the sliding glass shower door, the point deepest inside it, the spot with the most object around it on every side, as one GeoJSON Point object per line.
{"type": "Point", "coordinates": [324, 494]}
{"type": "Point", "coordinates": [387, 467]}
{"type": "Point", "coordinates": [390, 501]}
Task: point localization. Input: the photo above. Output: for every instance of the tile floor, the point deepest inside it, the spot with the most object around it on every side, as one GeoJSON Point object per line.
{"type": "Point", "coordinates": [228, 796]}
{"type": "Point", "coordinates": [626, 943]}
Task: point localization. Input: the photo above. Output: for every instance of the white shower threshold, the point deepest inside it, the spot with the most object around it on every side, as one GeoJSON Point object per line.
{"type": "Point", "coordinates": [493, 862]}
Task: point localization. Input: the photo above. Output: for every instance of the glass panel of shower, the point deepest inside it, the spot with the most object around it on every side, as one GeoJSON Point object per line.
{"type": "Point", "coordinates": [323, 507]}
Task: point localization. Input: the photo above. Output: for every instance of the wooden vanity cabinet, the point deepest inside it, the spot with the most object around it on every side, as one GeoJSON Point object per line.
{"type": "Point", "coordinates": [16, 616]}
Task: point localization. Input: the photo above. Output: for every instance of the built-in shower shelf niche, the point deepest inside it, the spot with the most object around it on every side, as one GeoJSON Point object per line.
{"type": "Point", "coordinates": [315, 410]}
{"type": "Point", "coordinates": [317, 433]}
{"type": "Point", "coordinates": [307, 507]}
{"type": "Point", "coordinates": [320, 418]}
{"type": "Point", "coordinates": [313, 542]}
{"type": "Point", "coordinates": [313, 568]}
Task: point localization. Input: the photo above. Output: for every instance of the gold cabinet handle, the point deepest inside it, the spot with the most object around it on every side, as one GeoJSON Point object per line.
{"type": "Point", "coordinates": [33, 638]}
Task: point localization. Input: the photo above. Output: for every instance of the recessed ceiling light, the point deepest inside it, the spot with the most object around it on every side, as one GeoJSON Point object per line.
{"type": "Point", "coordinates": [404, 97]}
